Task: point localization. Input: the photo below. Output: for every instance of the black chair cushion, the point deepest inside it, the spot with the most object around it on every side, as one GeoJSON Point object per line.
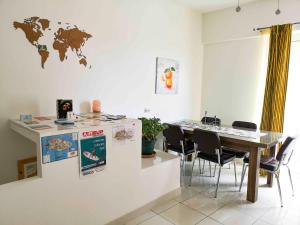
{"type": "Point", "coordinates": [270, 165]}
{"type": "Point", "coordinates": [188, 148]}
{"type": "Point", "coordinates": [224, 157]}
{"type": "Point", "coordinates": [263, 159]}
{"type": "Point", "coordinates": [244, 125]}
{"type": "Point", "coordinates": [266, 163]}
{"type": "Point", "coordinates": [237, 153]}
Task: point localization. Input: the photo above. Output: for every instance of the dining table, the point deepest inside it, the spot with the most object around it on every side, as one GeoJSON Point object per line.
{"type": "Point", "coordinates": [247, 140]}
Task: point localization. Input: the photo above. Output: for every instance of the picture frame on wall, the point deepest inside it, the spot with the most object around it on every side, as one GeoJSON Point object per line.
{"type": "Point", "coordinates": [167, 76]}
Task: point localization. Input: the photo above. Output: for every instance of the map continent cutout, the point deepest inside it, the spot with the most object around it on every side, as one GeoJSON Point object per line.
{"type": "Point", "coordinates": [67, 38]}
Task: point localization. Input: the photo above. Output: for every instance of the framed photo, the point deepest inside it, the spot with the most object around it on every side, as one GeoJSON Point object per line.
{"type": "Point", "coordinates": [63, 106]}
{"type": "Point", "coordinates": [167, 74]}
{"type": "Point", "coordinates": [27, 168]}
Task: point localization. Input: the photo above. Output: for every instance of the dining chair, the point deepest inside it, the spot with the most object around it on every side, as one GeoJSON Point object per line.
{"type": "Point", "coordinates": [272, 165]}
{"type": "Point", "coordinates": [208, 147]}
{"type": "Point", "coordinates": [211, 120]}
{"type": "Point", "coordinates": [240, 125]}
{"type": "Point", "coordinates": [174, 140]}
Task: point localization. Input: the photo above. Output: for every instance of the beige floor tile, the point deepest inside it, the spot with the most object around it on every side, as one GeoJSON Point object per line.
{"type": "Point", "coordinates": [223, 213]}
{"type": "Point", "coordinates": [183, 215]}
{"type": "Point", "coordinates": [156, 220]}
{"type": "Point", "coordinates": [255, 210]}
{"type": "Point", "coordinates": [293, 216]}
{"type": "Point", "coordinates": [260, 222]}
{"type": "Point", "coordinates": [230, 216]}
{"type": "Point", "coordinates": [141, 218]}
{"type": "Point", "coordinates": [186, 193]}
{"type": "Point", "coordinates": [163, 207]}
{"type": "Point", "coordinates": [204, 204]}
{"type": "Point", "coordinates": [275, 215]}
{"type": "Point", "coordinates": [239, 219]}
{"type": "Point", "coordinates": [208, 221]}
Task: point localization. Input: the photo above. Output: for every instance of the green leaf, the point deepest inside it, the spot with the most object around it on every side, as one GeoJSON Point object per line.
{"type": "Point", "coordinates": [172, 68]}
{"type": "Point", "coordinates": [151, 127]}
{"type": "Point", "coordinates": [166, 70]}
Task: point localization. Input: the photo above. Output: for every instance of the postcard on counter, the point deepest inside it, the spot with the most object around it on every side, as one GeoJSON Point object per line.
{"type": "Point", "coordinates": [40, 127]}
{"type": "Point", "coordinates": [42, 118]}
{"type": "Point", "coordinates": [65, 127]}
{"type": "Point", "coordinates": [31, 122]}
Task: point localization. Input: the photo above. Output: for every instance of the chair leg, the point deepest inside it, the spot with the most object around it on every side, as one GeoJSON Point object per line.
{"type": "Point", "coordinates": [218, 181]}
{"type": "Point", "coordinates": [192, 171]}
{"type": "Point", "coordinates": [215, 169]}
{"type": "Point", "coordinates": [184, 167]}
{"type": "Point", "coordinates": [279, 189]}
{"type": "Point", "coordinates": [243, 175]}
{"type": "Point", "coordinates": [203, 167]}
{"type": "Point", "coordinates": [199, 165]}
{"type": "Point", "coordinates": [234, 165]}
{"type": "Point", "coordinates": [291, 179]}
{"type": "Point", "coordinates": [209, 168]}
{"type": "Point", "coordinates": [181, 170]}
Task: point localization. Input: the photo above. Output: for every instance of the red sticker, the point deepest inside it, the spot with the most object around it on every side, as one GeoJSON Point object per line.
{"type": "Point", "coordinates": [92, 133]}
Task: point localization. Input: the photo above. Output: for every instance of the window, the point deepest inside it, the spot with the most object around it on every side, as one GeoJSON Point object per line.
{"type": "Point", "coordinates": [292, 107]}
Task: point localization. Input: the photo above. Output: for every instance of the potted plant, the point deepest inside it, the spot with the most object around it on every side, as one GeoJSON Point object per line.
{"type": "Point", "coordinates": [151, 128]}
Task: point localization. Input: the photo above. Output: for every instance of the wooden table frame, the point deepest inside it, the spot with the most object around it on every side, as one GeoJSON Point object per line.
{"type": "Point", "coordinates": [254, 146]}
{"type": "Point", "coordinates": [254, 162]}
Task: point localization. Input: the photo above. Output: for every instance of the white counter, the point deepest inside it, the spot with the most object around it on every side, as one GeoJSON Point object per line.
{"type": "Point", "coordinates": [60, 197]}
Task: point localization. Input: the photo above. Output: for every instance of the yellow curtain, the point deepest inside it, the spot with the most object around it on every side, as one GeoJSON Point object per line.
{"type": "Point", "coordinates": [277, 77]}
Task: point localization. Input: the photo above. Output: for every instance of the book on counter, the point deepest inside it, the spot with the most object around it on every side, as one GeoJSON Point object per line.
{"type": "Point", "coordinates": [114, 117]}
{"type": "Point", "coordinates": [64, 122]}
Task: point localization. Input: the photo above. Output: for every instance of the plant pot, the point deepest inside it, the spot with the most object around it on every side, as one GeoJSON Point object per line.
{"type": "Point", "coordinates": [147, 146]}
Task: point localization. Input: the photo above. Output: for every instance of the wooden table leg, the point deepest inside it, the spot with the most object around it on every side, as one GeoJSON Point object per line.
{"type": "Point", "coordinates": [253, 175]}
{"type": "Point", "coordinates": [270, 175]}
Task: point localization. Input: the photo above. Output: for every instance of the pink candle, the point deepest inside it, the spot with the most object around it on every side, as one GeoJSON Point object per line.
{"type": "Point", "coordinates": [96, 106]}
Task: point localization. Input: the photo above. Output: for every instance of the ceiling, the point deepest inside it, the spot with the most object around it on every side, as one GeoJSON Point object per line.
{"type": "Point", "coordinates": [212, 5]}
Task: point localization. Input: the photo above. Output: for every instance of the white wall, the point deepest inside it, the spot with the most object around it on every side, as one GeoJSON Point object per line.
{"type": "Point", "coordinates": [235, 58]}
{"type": "Point", "coordinates": [128, 35]}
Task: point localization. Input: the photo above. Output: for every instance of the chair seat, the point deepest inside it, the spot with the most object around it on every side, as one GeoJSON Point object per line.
{"type": "Point", "coordinates": [266, 163]}
{"type": "Point", "coordinates": [188, 148]}
{"type": "Point", "coordinates": [238, 154]}
{"type": "Point", "coordinates": [224, 158]}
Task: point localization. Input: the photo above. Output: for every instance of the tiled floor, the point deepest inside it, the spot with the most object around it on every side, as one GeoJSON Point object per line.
{"type": "Point", "coordinates": [197, 206]}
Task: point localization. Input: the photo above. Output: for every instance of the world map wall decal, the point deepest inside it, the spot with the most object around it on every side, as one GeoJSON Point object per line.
{"type": "Point", "coordinates": [66, 38]}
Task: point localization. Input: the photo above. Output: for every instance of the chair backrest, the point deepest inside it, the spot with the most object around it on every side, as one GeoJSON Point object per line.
{"type": "Point", "coordinates": [285, 151]}
{"type": "Point", "coordinates": [173, 135]}
{"type": "Point", "coordinates": [207, 141]}
{"type": "Point", "coordinates": [211, 120]}
{"type": "Point", "coordinates": [244, 124]}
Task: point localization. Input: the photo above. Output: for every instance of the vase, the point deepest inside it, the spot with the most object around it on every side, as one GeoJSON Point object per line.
{"type": "Point", "coordinates": [147, 146]}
